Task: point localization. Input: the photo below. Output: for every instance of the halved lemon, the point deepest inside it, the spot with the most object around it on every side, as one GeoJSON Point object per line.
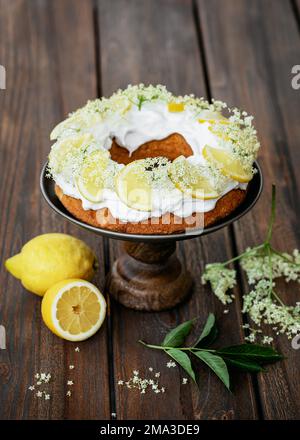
{"type": "Point", "coordinates": [133, 186]}
{"type": "Point", "coordinates": [228, 164]}
{"type": "Point", "coordinates": [188, 179]}
{"type": "Point", "coordinates": [90, 181]}
{"type": "Point", "coordinates": [73, 309]}
{"type": "Point", "coordinates": [175, 107]}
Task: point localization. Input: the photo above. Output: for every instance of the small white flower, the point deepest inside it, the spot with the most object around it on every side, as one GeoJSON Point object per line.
{"type": "Point", "coordinates": [157, 391]}
{"type": "Point", "coordinates": [221, 280]}
{"type": "Point", "coordinates": [39, 394]}
{"type": "Point", "coordinates": [68, 393]}
{"type": "Point", "coordinates": [150, 369]}
{"type": "Point", "coordinates": [157, 374]}
{"type": "Point", "coordinates": [163, 389]}
{"type": "Point", "coordinates": [47, 378]}
{"type": "Point", "coordinates": [77, 349]}
{"type": "Point", "coordinates": [37, 375]}
{"type": "Point", "coordinates": [120, 382]}
{"type": "Point", "coordinates": [184, 380]}
{"type": "Point", "coordinates": [71, 367]}
{"type": "Point", "coordinates": [43, 376]}
{"type": "Point", "coordinates": [226, 311]}
{"type": "Point", "coordinates": [171, 364]}
{"type": "Point", "coordinates": [143, 391]}
{"type": "Point", "coordinates": [39, 382]}
{"type": "Point", "coordinates": [113, 415]}
{"type": "Point", "coordinates": [267, 340]}
{"type": "Point", "coordinates": [135, 372]}
{"type": "Point", "coordinates": [47, 396]}
{"type": "Point", "coordinates": [154, 386]}
{"type": "Point", "coordinates": [31, 388]}
{"type": "Point", "coordinates": [70, 382]}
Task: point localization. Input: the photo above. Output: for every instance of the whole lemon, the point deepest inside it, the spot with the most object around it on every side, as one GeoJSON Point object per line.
{"type": "Point", "coordinates": [50, 258]}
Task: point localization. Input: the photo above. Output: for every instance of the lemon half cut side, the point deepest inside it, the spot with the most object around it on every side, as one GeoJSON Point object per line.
{"type": "Point", "coordinates": [73, 309]}
{"type": "Point", "coordinates": [228, 164]}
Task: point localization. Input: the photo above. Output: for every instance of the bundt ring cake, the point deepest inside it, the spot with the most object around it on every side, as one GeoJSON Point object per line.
{"type": "Point", "coordinates": [147, 162]}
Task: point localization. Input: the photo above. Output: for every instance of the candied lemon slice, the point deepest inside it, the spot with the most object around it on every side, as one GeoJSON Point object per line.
{"type": "Point", "coordinates": [188, 179]}
{"type": "Point", "coordinates": [175, 107]}
{"type": "Point", "coordinates": [223, 121]}
{"type": "Point", "coordinates": [229, 165]}
{"type": "Point", "coordinates": [210, 115]}
{"type": "Point", "coordinates": [73, 309]}
{"type": "Point", "coordinates": [90, 181]}
{"type": "Point", "coordinates": [133, 186]}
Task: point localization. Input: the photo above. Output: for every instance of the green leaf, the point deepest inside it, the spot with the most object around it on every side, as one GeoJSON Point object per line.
{"type": "Point", "coordinates": [176, 337]}
{"type": "Point", "coordinates": [254, 352]}
{"type": "Point", "coordinates": [206, 342]}
{"type": "Point", "coordinates": [216, 363]}
{"type": "Point", "coordinates": [209, 332]}
{"type": "Point", "coordinates": [245, 365]}
{"type": "Point", "coordinates": [183, 360]}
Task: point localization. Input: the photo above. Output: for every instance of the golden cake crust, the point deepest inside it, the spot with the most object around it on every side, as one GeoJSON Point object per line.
{"type": "Point", "coordinates": [104, 219]}
{"type": "Point", "coordinates": [170, 147]}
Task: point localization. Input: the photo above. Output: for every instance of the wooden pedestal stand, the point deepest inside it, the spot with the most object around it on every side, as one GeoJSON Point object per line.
{"type": "Point", "coordinates": [149, 276]}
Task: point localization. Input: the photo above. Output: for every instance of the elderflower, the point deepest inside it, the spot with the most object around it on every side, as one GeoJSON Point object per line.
{"type": "Point", "coordinates": [143, 384]}
{"type": "Point", "coordinates": [171, 364]}
{"type": "Point", "coordinates": [221, 279]}
{"type": "Point", "coordinates": [258, 265]}
{"type": "Point", "coordinates": [262, 307]}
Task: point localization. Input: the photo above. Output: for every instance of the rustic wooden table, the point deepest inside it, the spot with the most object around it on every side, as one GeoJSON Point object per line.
{"type": "Point", "coordinates": [58, 54]}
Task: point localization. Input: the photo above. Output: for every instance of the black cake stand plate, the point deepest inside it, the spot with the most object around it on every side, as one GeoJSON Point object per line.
{"type": "Point", "coordinates": [148, 275]}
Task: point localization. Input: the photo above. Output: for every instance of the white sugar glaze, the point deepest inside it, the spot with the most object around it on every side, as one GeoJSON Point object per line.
{"type": "Point", "coordinates": [134, 128]}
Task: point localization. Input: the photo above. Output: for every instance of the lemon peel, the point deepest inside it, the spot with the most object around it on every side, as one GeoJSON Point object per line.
{"type": "Point", "coordinates": [49, 258]}
{"type": "Point", "coordinates": [91, 179]}
{"type": "Point", "coordinates": [227, 163]}
{"type": "Point", "coordinates": [188, 178]}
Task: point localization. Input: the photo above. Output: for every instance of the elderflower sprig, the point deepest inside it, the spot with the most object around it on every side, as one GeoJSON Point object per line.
{"type": "Point", "coordinates": [262, 264]}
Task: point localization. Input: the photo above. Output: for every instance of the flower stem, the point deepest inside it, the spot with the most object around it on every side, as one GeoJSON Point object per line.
{"type": "Point", "coordinates": [272, 218]}
{"type": "Point", "coordinates": [160, 347]}
{"type": "Point", "coordinates": [249, 251]}
{"type": "Point", "coordinates": [277, 298]}
{"type": "Point", "coordinates": [280, 254]}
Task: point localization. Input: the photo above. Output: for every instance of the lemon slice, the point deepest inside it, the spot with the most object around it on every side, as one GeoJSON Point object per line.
{"type": "Point", "coordinates": [133, 186]}
{"type": "Point", "coordinates": [188, 179]}
{"type": "Point", "coordinates": [73, 309]}
{"type": "Point", "coordinates": [229, 165]}
{"type": "Point", "coordinates": [90, 181]}
{"type": "Point", "coordinates": [175, 107]}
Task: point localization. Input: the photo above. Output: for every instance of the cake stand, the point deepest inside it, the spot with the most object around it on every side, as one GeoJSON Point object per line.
{"type": "Point", "coordinates": [148, 275]}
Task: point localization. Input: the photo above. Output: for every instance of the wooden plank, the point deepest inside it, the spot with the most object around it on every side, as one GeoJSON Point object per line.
{"type": "Point", "coordinates": [50, 68]}
{"type": "Point", "coordinates": [156, 42]}
{"type": "Point", "coordinates": [249, 65]}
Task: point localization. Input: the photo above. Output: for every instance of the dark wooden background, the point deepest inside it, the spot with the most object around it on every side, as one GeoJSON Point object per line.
{"type": "Point", "coordinates": [58, 54]}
